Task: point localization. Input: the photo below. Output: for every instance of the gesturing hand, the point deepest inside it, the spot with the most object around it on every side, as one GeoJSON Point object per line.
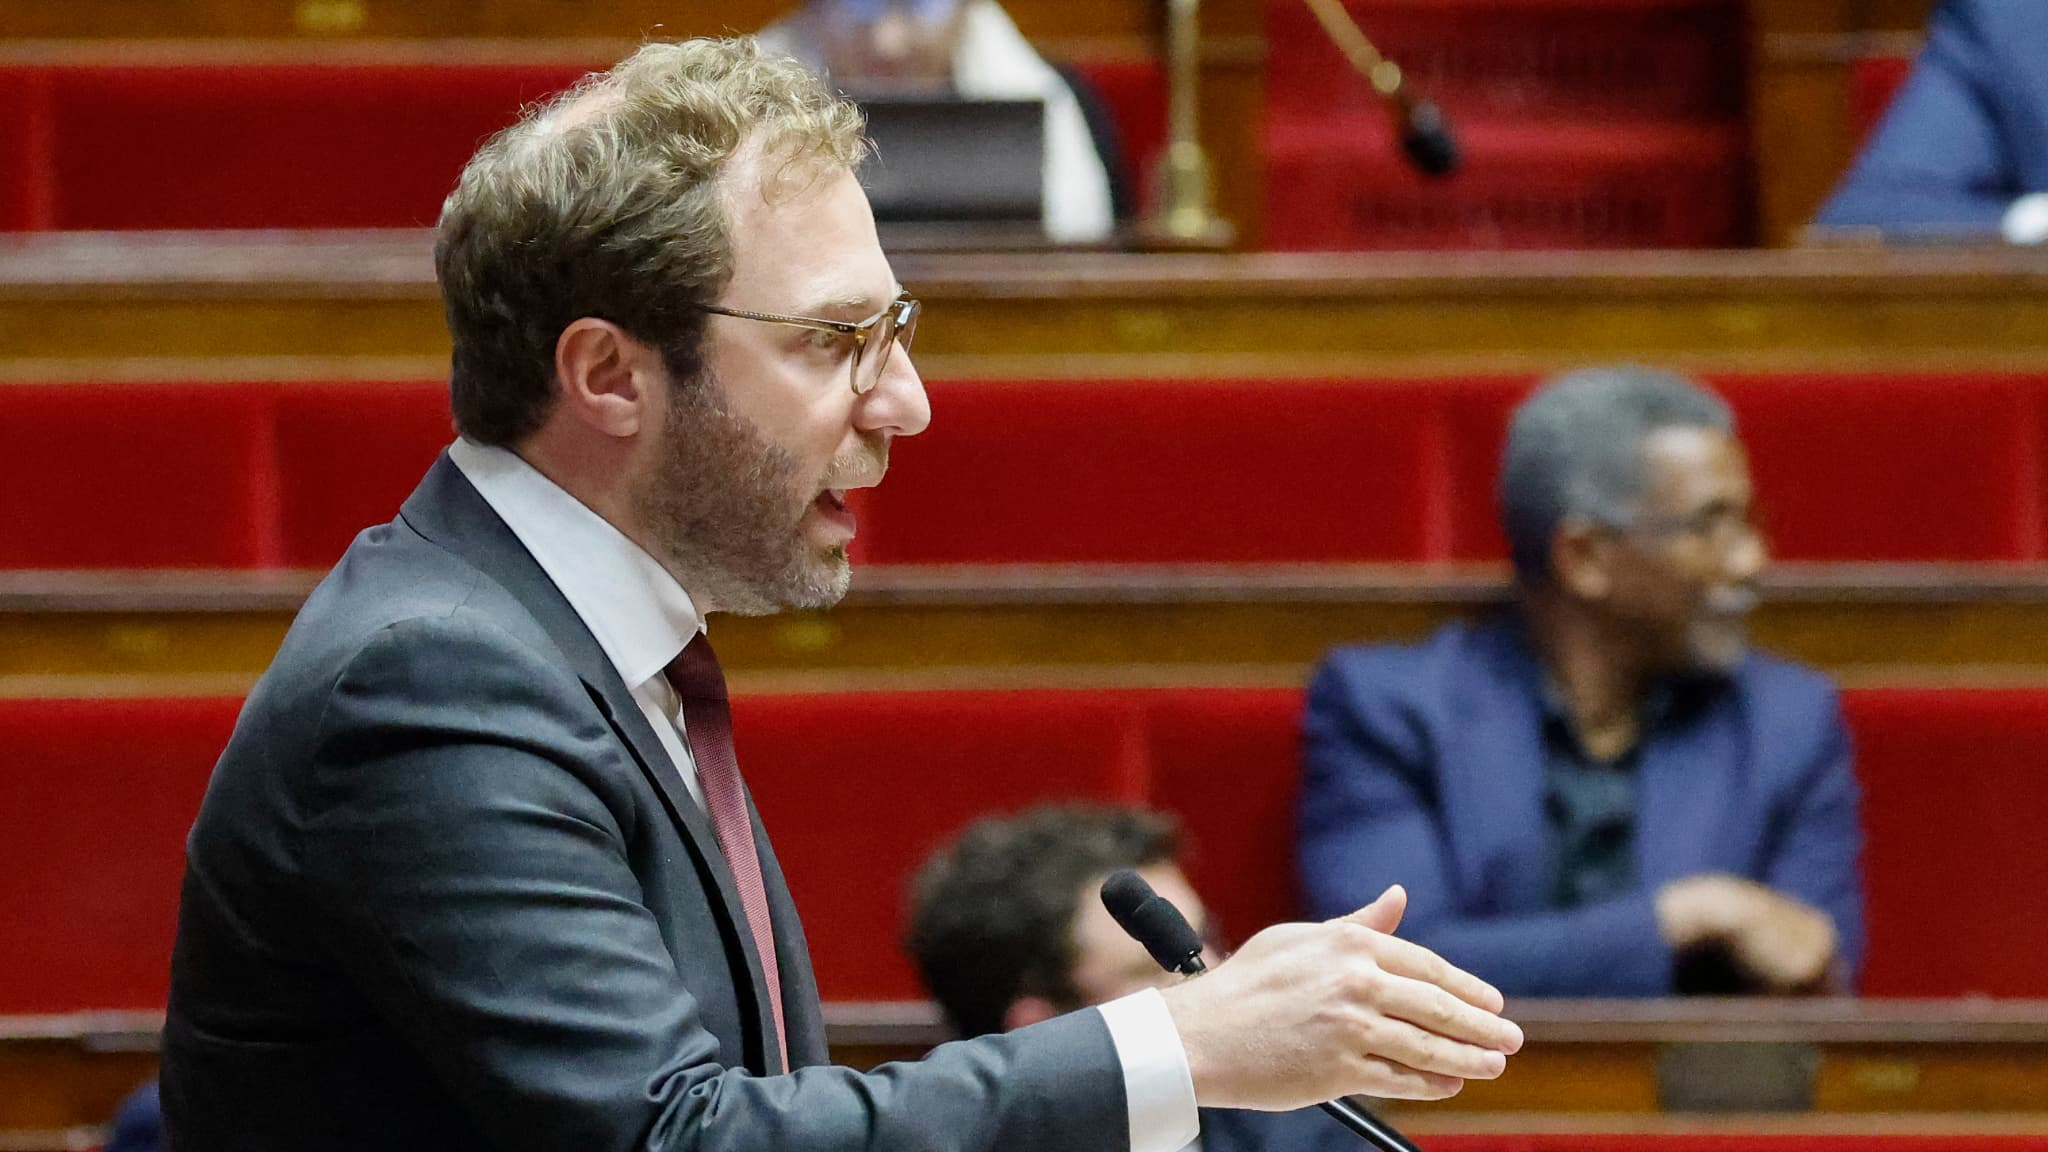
{"type": "Point", "coordinates": [1783, 942]}
{"type": "Point", "coordinates": [1308, 1012]}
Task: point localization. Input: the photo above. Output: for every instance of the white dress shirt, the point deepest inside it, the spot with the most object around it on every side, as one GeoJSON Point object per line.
{"type": "Point", "coordinates": [642, 618]}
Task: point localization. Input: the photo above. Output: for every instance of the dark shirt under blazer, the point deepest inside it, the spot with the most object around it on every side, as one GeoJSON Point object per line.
{"type": "Point", "coordinates": [446, 892]}
{"type": "Point", "coordinates": [1426, 765]}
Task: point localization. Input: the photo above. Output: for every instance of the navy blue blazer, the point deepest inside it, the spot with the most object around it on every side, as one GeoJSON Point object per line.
{"type": "Point", "coordinates": [1424, 765]}
{"type": "Point", "coordinates": [1968, 132]}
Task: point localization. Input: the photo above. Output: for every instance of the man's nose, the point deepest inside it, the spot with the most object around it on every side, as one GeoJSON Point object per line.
{"type": "Point", "coordinates": [898, 406]}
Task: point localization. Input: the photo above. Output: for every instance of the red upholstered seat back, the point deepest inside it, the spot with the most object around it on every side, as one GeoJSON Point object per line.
{"type": "Point", "coordinates": [1145, 471]}
{"type": "Point", "coordinates": [1223, 761]}
{"type": "Point", "coordinates": [858, 789]}
{"type": "Point", "coordinates": [348, 455]}
{"type": "Point", "coordinates": [1873, 81]}
{"type": "Point", "coordinates": [1848, 467]}
{"type": "Point", "coordinates": [24, 147]}
{"type": "Point", "coordinates": [99, 797]}
{"type": "Point", "coordinates": [164, 476]}
{"type": "Point", "coordinates": [273, 146]}
{"type": "Point", "coordinates": [1955, 784]}
{"type": "Point", "coordinates": [1923, 468]}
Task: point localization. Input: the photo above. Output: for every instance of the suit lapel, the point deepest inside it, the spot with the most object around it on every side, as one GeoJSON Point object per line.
{"type": "Point", "coordinates": [449, 511]}
{"type": "Point", "coordinates": [1497, 761]}
{"type": "Point", "coordinates": [1687, 775]}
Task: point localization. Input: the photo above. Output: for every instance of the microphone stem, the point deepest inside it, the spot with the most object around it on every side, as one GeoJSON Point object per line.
{"type": "Point", "coordinates": [1382, 73]}
{"type": "Point", "coordinates": [1368, 1127]}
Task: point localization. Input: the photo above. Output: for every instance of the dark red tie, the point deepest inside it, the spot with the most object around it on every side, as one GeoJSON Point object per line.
{"type": "Point", "coordinates": [707, 723]}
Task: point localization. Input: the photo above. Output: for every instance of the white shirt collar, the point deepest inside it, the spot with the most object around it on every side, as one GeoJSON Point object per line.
{"type": "Point", "coordinates": [640, 616]}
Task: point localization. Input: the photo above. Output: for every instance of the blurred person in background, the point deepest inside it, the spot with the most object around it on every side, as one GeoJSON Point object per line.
{"type": "Point", "coordinates": [139, 1123]}
{"type": "Point", "coordinates": [1963, 151]}
{"type": "Point", "coordinates": [1007, 929]}
{"type": "Point", "coordinates": [970, 49]}
{"type": "Point", "coordinates": [1603, 791]}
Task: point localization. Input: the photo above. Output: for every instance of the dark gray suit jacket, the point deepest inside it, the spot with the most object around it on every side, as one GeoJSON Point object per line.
{"type": "Point", "coordinates": [447, 892]}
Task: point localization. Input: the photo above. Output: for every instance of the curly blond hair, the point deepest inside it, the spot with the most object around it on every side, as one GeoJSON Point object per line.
{"type": "Point", "coordinates": [609, 200]}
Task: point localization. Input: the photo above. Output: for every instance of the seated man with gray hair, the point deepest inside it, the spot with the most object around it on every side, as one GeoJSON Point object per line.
{"type": "Point", "coordinates": [1602, 791]}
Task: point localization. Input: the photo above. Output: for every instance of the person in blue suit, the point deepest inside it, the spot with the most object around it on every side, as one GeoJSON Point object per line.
{"type": "Point", "coordinates": [1963, 150]}
{"type": "Point", "coordinates": [139, 1123]}
{"type": "Point", "coordinates": [1602, 791]}
{"type": "Point", "coordinates": [1007, 929]}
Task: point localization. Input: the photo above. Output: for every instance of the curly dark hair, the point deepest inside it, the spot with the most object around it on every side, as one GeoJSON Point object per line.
{"type": "Point", "coordinates": [992, 914]}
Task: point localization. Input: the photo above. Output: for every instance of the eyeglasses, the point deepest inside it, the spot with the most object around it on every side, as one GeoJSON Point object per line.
{"type": "Point", "coordinates": [1716, 525]}
{"type": "Point", "coordinates": [872, 337]}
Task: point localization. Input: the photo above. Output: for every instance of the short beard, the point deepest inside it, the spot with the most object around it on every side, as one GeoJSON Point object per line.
{"type": "Point", "coordinates": [724, 508]}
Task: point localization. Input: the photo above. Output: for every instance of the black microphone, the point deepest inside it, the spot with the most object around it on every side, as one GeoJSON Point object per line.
{"type": "Point", "coordinates": [1426, 138]}
{"type": "Point", "coordinates": [1153, 921]}
{"type": "Point", "coordinates": [1425, 134]}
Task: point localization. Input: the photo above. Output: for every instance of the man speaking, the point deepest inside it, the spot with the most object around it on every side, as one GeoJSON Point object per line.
{"type": "Point", "coordinates": [478, 870]}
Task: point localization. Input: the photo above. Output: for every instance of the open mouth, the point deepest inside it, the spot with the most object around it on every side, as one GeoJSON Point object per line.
{"type": "Point", "coordinates": [830, 508]}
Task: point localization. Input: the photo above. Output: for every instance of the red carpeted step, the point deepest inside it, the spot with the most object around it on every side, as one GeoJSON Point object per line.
{"type": "Point", "coordinates": [1336, 186]}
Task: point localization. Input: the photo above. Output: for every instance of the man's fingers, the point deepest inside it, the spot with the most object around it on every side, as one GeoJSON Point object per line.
{"type": "Point", "coordinates": [1413, 960]}
{"type": "Point", "coordinates": [1434, 1010]}
{"type": "Point", "coordinates": [1404, 1043]}
{"type": "Point", "coordinates": [1392, 1080]}
{"type": "Point", "coordinates": [1384, 914]}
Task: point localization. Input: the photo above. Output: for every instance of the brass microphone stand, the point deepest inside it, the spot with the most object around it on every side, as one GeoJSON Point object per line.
{"type": "Point", "coordinates": [1183, 212]}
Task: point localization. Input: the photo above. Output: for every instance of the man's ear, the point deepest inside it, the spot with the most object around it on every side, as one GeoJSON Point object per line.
{"type": "Point", "coordinates": [1580, 555]}
{"type": "Point", "coordinates": [1028, 1010]}
{"type": "Point", "coordinates": [605, 378]}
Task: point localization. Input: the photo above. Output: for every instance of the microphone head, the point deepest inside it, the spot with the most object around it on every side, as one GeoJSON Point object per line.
{"type": "Point", "coordinates": [1426, 139]}
{"type": "Point", "coordinates": [1153, 921]}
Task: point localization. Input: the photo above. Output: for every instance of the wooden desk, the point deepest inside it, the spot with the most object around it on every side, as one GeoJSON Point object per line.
{"type": "Point", "coordinates": [61, 1076]}
{"type": "Point", "coordinates": [1590, 1066]}
{"type": "Point", "coordinates": [182, 633]}
{"type": "Point", "coordinates": [364, 306]}
{"type": "Point", "coordinates": [1626, 1058]}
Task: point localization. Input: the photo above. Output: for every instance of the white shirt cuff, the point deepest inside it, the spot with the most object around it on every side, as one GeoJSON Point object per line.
{"type": "Point", "coordinates": [1158, 1088]}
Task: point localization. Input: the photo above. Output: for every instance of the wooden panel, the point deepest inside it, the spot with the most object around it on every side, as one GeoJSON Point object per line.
{"type": "Point", "coordinates": [62, 1073]}
{"type": "Point", "coordinates": [1801, 53]}
{"type": "Point", "coordinates": [338, 306]}
{"type": "Point", "coordinates": [1938, 1077]}
{"type": "Point", "coordinates": [181, 634]}
{"type": "Point", "coordinates": [1592, 1064]}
